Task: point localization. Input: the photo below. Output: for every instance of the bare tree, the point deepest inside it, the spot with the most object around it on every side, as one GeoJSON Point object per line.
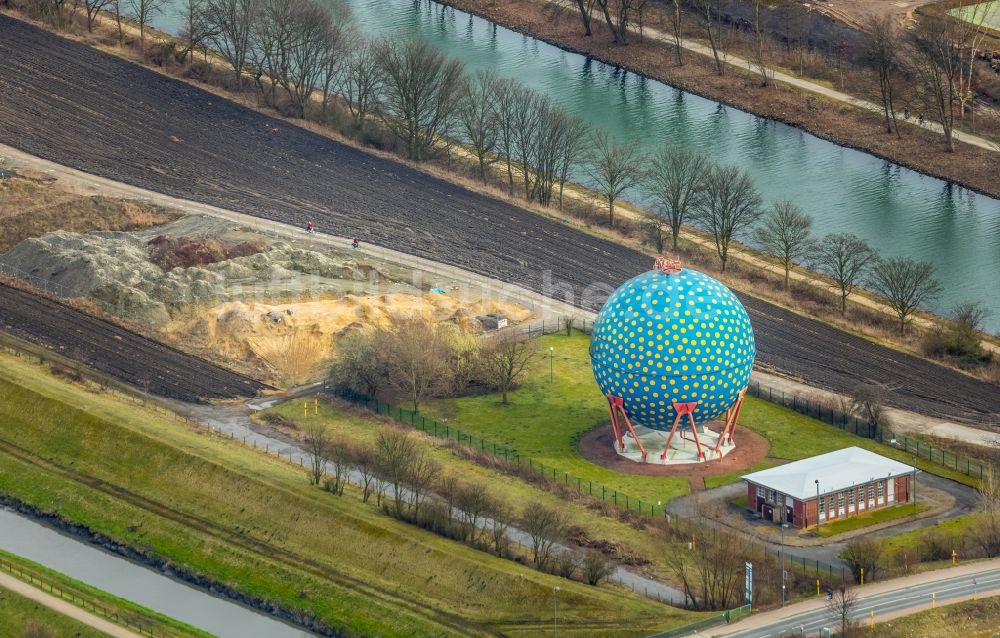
{"type": "Point", "coordinates": [675, 181]}
{"type": "Point", "coordinates": [421, 472]}
{"type": "Point", "coordinates": [419, 355]}
{"type": "Point", "coordinates": [845, 258]}
{"type": "Point", "coordinates": [420, 91]}
{"type": "Point", "coordinates": [906, 285]}
{"type": "Point", "coordinates": [197, 27]}
{"type": "Point", "coordinates": [317, 36]}
{"type": "Point", "coordinates": [361, 364]}
{"type": "Point", "coordinates": [504, 360]}
{"type": "Point", "coordinates": [360, 83]}
{"type": "Point", "coordinates": [710, 574]}
{"type": "Point", "coordinates": [761, 50]}
{"type": "Point", "coordinates": [474, 502]}
{"type": "Point", "coordinates": [341, 455]}
{"type": "Point", "coordinates": [987, 524]}
{"type": "Point", "coordinates": [677, 27]}
{"type": "Point", "coordinates": [528, 109]}
{"type": "Point", "coordinates": [618, 15]}
{"type": "Point", "coordinates": [614, 168]}
{"type": "Point", "coordinates": [232, 21]}
{"type": "Point", "coordinates": [366, 462]}
{"type": "Point", "coordinates": [143, 12]}
{"type": "Point", "coordinates": [93, 8]}
{"type": "Point", "coordinates": [881, 48]}
{"type": "Point", "coordinates": [729, 208]}
{"type": "Point", "coordinates": [842, 604]}
{"type": "Point", "coordinates": [966, 325]}
{"type": "Point", "coordinates": [500, 518]}
{"type": "Point", "coordinates": [574, 138]}
{"type": "Point", "coordinates": [785, 233]}
{"type": "Point", "coordinates": [713, 13]}
{"type": "Point", "coordinates": [318, 447]}
{"type": "Point", "coordinates": [395, 449]}
{"type": "Point", "coordinates": [869, 400]}
{"type": "Point", "coordinates": [596, 567]}
{"type": "Point", "coordinates": [865, 553]}
{"type": "Point", "coordinates": [942, 45]}
{"type": "Point", "coordinates": [477, 114]}
{"type": "Point", "coordinates": [507, 104]}
{"type": "Point", "coordinates": [586, 8]}
{"type": "Point", "coordinates": [545, 526]}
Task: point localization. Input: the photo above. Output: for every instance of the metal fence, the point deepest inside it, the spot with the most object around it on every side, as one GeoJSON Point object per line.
{"type": "Point", "coordinates": [82, 603]}
{"type": "Point", "coordinates": [714, 621]}
{"type": "Point", "coordinates": [849, 423]}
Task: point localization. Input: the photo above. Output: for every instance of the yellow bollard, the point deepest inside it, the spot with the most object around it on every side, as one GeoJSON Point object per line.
{"type": "Point", "coordinates": [933, 600]}
{"type": "Point", "coordinates": [305, 409]}
{"type": "Point", "coordinates": [954, 555]}
{"type": "Point", "coordinates": [817, 587]}
{"type": "Point", "coordinates": [871, 621]}
{"type": "Point", "coordinates": [862, 575]}
{"type": "Point", "coordinates": [316, 405]}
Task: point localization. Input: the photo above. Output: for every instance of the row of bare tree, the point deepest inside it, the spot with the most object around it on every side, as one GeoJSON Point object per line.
{"type": "Point", "coordinates": [936, 59]}
{"type": "Point", "coordinates": [417, 359]}
{"type": "Point", "coordinates": [410, 485]}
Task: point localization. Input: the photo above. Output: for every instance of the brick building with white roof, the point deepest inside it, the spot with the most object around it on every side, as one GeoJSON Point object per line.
{"type": "Point", "coordinates": [835, 485]}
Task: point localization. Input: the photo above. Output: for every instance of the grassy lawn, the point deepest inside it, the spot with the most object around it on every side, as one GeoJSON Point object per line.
{"type": "Point", "coordinates": [972, 618]}
{"type": "Point", "coordinates": [252, 522]}
{"type": "Point", "coordinates": [545, 418]}
{"type": "Point", "coordinates": [87, 597]}
{"type": "Point", "coordinates": [515, 491]}
{"type": "Point", "coordinates": [17, 613]}
{"type": "Point", "coordinates": [874, 518]}
{"type": "Point", "coordinates": [954, 527]}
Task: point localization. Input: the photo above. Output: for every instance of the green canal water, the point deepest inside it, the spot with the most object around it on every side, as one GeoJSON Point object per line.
{"type": "Point", "coordinates": [899, 211]}
{"type": "Point", "coordinates": [988, 13]}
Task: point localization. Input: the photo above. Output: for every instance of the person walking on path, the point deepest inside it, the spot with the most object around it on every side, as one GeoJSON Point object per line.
{"type": "Point", "coordinates": [354, 242]}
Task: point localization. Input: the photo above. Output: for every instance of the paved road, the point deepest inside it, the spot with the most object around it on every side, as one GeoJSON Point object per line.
{"type": "Point", "coordinates": [887, 599]}
{"type": "Point", "coordinates": [66, 609]}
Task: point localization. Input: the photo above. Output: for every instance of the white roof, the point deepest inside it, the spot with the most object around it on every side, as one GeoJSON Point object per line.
{"type": "Point", "coordinates": [835, 471]}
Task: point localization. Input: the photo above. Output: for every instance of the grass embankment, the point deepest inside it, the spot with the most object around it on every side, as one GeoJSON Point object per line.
{"type": "Point", "coordinates": [545, 418]}
{"type": "Point", "coordinates": [516, 492]}
{"type": "Point", "coordinates": [873, 518]}
{"type": "Point", "coordinates": [973, 618]}
{"type": "Point", "coordinates": [20, 615]}
{"type": "Point", "coordinates": [252, 523]}
{"type": "Point", "coordinates": [91, 599]}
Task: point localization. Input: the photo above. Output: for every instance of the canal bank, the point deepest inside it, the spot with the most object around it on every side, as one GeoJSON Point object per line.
{"type": "Point", "coordinates": [95, 560]}
{"type": "Point", "coordinates": [901, 212]}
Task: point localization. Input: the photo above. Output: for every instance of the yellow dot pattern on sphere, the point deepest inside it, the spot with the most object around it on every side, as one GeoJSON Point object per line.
{"type": "Point", "coordinates": [661, 339]}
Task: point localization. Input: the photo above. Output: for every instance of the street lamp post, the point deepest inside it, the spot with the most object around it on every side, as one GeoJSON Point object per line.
{"type": "Point", "coordinates": [817, 504]}
{"type": "Point", "coordinates": [552, 352]}
{"type": "Point", "coordinates": [782, 559]}
{"type": "Point", "coordinates": [555, 611]}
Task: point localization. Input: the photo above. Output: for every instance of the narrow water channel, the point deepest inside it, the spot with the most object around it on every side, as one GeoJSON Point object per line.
{"type": "Point", "coordinates": [116, 575]}
{"type": "Point", "coordinates": [899, 211]}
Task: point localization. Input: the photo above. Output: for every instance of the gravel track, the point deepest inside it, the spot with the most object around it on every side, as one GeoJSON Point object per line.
{"type": "Point", "coordinates": [117, 351]}
{"type": "Point", "coordinates": [76, 106]}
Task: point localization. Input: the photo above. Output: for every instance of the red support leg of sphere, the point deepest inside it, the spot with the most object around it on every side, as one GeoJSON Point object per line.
{"type": "Point", "coordinates": [732, 416]}
{"type": "Point", "coordinates": [683, 410]}
{"type": "Point", "coordinates": [618, 417]}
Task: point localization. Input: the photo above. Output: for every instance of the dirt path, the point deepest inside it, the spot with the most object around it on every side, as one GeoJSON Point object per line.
{"type": "Point", "coordinates": [73, 105]}
{"type": "Point", "coordinates": [66, 609]}
{"type": "Point", "coordinates": [112, 349]}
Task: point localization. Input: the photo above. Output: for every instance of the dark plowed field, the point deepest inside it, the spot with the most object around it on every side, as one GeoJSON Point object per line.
{"type": "Point", "coordinates": [116, 351]}
{"type": "Point", "coordinates": [76, 106]}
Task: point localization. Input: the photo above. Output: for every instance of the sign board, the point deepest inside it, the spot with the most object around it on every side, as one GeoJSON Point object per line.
{"type": "Point", "coordinates": [748, 584]}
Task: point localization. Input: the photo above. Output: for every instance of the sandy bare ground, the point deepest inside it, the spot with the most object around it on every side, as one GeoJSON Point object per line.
{"type": "Point", "coordinates": [73, 105]}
